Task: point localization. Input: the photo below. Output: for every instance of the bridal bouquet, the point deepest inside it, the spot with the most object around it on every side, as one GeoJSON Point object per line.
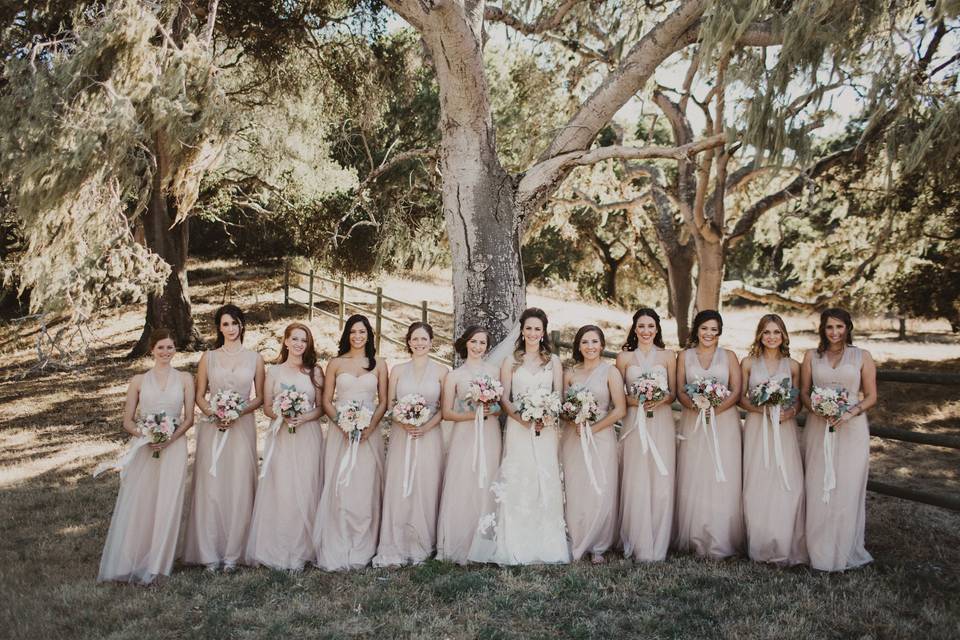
{"type": "Point", "coordinates": [226, 404]}
{"type": "Point", "coordinates": [774, 393]}
{"type": "Point", "coordinates": [353, 418]}
{"type": "Point", "coordinates": [539, 406]}
{"type": "Point", "coordinates": [483, 390]}
{"type": "Point", "coordinates": [291, 403]}
{"type": "Point", "coordinates": [706, 393]}
{"type": "Point", "coordinates": [159, 427]}
{"type": "Point", "coordinates": [411, 409]}
{"type": "Point", "coordinates": [579, 405]}
{"type": "Point", "coordinates": [649, 387]}
{"type": "Point", "coordinates": [829, 403]}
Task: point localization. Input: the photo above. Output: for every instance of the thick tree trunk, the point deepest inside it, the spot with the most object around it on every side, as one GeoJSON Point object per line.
{"type": "Point", "coordinates": [709, 274]}
{"type": "Point", "coordinates": [170, 309]}
{"type": "Point", "coordinates": [680, 290]}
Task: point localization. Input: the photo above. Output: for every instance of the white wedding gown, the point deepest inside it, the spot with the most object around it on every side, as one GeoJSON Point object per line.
{"type": "Point", "coordinates": [527, 524]}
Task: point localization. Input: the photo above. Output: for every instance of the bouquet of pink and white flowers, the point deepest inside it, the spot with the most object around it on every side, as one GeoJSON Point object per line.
{"type": "Point", "coordinates": [540, 406]}
{"type": "Point", "coordinates": [411, 409]}
{"type": "Point", "coordinates": [159, 427]}
{"type": "Point", "coordinates": [706, 393]}
{"type": "Point", "coordinates": [352, 418]}
{"type": "Point", "coordinates": [580, 406]}
{"type": "Point", "coordinates": [774, 393]}
{"type": "Point", "coordinates": [291, 403]}
{"type": "Point", "coordinates": [483, 390]}
{"type": "Point", "coordinates": [226, 404]}
{"type": "Point", "coordinates": [829, 402]}
{"type": "Point", "coordinates": [649, 387]}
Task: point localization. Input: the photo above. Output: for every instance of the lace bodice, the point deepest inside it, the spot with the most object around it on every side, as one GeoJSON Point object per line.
{"type": "Point", "coordinates": [525, 379]}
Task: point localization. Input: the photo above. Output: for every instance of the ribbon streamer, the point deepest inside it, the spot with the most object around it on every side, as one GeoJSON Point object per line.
{"type": "Point", "coordinates": [479, 448]}
{"type": "Point", "coordinates": [122, 462]}
{"type": "Point", "coordinates": [348, 462]}
{"type": "Point", "coordinates": [272, 435]}
{"type": "Point", "coordinates": [829, 475]}
{"type": "Point", "coordinates": [647, 443]}
{"type": "Point", "coordinates": [219, 441]}
{"type": "Point", "coordinates": [710, 420]}
{"type": "Point", "coordinates": [777, 444]}
{"type": "Point", "coordinates": [541, 473]}
{"type": "Point", "coordinates": [588, 442]}
{"type": "Point", "coordinates": [409, 467]}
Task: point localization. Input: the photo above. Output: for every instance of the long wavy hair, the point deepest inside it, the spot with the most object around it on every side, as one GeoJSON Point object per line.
{"type": "Point", "coordinates": [460, 346]}
{"type": "Point", "coordinates": [756, 349]}
{"type": "Point", "coordinates": [369, 349]}
{"type": "Point", "coordinates": [309, 354]}
{"type": "Point", "coordinates": [234, 312]}
{"type": "Point", "coordinates": [582, 331]}
{"type": "Point", "coordinates": [707, 314]}
{"type": "Point", "coordinates": [546, 348]}
{"type": "Point", "coordinates": [837, 314]}
{"type": "Point", "coordinates": [633, 342]}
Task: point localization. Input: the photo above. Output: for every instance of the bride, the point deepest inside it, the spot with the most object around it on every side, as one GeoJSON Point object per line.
{"type": "Point", "coordinates": [526, 525]}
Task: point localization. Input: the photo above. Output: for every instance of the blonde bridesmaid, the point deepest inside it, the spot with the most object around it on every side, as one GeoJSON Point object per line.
{"type": "Point", "coordinates": [225, 467]}
{"type": "Point", "coordinates": [648, 446]}
{"type": "Point", "coordinates": [772, 468]}
{"type": "Point", "coordinates": [590, 460]}
{"type": "Point", "coordinates": [709, 512]}
{"type": "Point", "coordinates": [411, 497]}
{"type": "Point", "coordinates": [837, 463]}
{"type": "Point", "coordinates": [142, 539]}
{"type": "Point", "coordinates": [347, 528]}
{"type": "Point", "coordinates": [281, 533]}
{"type": "Point", "coordinates": [474, 453]}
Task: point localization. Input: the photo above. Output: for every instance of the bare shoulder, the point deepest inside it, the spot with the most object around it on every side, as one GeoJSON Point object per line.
{"type": "Point", "coordinates": [731, 354]}
{"type": "Point", "coordinates": [186, 377]}
{"type": "Point", "coordinates": [623, 357]}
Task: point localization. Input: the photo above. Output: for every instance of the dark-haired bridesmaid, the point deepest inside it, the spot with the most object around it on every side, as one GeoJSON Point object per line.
{"type": "Point", "coordinates": [709, 513]}
{"type": "Point", "coordinates": [838, 461]}
{"type": "Point", "coordinates": [281, 533]}
{"type": "Point", "coordinates": [772, 466]}
{"type": "Point", "coordinates": [347, 528]}
{"type": "Point", "coordinates": [225, 467]}
{"type": "Point", "coordinates": [589, 451]}
{"type": "Point", "coordinates": [142, 539]}
{"type": "Point", "coordinates": [474, 452]}
{"type": "Point", "coordinates": [647, 444]}
{"type": "Point", "coordinates": [411, 498]}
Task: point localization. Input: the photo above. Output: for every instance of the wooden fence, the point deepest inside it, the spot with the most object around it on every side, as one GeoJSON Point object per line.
{"type": "Point", "coordinates": [322, 288]}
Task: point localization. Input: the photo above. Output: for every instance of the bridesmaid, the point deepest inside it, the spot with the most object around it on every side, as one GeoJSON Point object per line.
{"type": "Point", "coordinates": [709, 513]}
{"type": "Point", "coordinates": [347, 527]}
{"type": "Point", "coordinates": [590, 476]}
{"type": "Point", "coordinates": [281, 533]}
{"type": "Point", "coordinates": [225, 468]}
{"type": "Point", "coordinates": [836, 486]}
{"type": "Point", "coordinates": [772, 468]}
{"type": "Point", "coordinates": [408, 531]}
{"type": "Point", "coordinates": [648, 448]}
{"type": "Point", "coordinates": [473, 455]}
{"type": "Point", "coordinates": [142, 539]}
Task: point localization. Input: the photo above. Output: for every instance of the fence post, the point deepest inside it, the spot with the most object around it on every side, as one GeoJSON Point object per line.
{"type": "Point", "coordinates": [902, 329]}
{"type": "Point", "coordinates": [286, 284]}
{"type": "Point", "coordinates": [379, 314]}
{"type": "Point", "coordinates": [310, 298]}
{"type": "Point", "coordinates": [555, 339]}
{"type": "Point", "coordinates": [423, 310]}
{"type": "Point", "coordinates": [342, 306]}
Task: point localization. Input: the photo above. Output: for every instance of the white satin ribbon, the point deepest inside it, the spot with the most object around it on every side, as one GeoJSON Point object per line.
{"type": "Point", "coordinates": [646, 440]}
{"type": "Point", "coordinates": [774, 425]}
{"type": "Point", "coordinates": [711, 422]}
{"type": "Point", "coordinates": [122, 462]}
{"type": "Point", "coordinates": [272, 437]}
{"type": "Point", "coordinates": [588, 442]}
{"type": "Point", "coordinates": [347, 463]}
{"type": "Point", "coordinates": [409, 467]}
{"type": "Point", "coordinates": [479, 449]}
{"type": "Point", "coordinates": [829, 475]}
{"type": "Point", "coordinates": [219, 441]}
{"type": "Point", "coordinates": [541, 473]}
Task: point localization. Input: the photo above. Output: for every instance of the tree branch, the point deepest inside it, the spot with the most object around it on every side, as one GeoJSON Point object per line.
{"type": "Point", "coordinates": [546, 21]}
{"type": "Point", "coordinates": [386, 165]}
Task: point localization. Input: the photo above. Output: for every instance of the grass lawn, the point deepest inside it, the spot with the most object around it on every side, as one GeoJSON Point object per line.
{"type": "Point", "coordinates": [57, 427]}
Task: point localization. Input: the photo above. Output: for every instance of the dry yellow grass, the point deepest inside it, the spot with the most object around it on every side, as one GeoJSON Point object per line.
{"type": "Point", "coordinates": [57, 427]}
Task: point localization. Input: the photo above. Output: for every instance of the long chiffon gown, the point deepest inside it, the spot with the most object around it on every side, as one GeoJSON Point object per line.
{"type": "Point", "coordinates": [408, 529]}
{"type": "Point", "coordinates": [281, 532]}
{"type": "Point", "coordinates": [646, 488]}
{"type": "Point", "coordinates": [835, 528]}
{"type": "Point", "coordinates": [591, 514]}
{"type": "Point", "coordinates": [773, 513]}
{"type": "Point", "coordinates": [221, 506]}
{"type": "Point", "coordinates": [527, 525]}
{"type": "Point", "coordinates": [347, 527]}
{"type": "Point", "coordinates": [472, 462]}
{"type": "Point", "coordinates": [142, 540]}
{"type": "Point", "coordinates": [709, 513]}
